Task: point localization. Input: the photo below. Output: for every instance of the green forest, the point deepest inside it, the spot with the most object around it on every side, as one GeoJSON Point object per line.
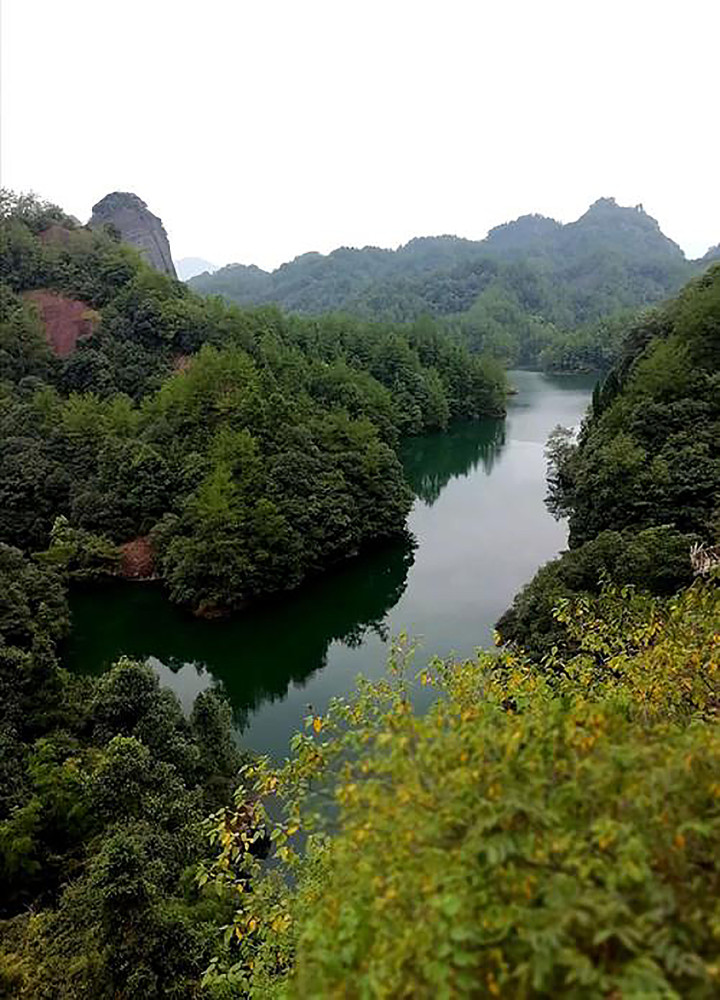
{"type": "Point", "coordinates": [550, 825]}
{"type": "Point", "coordinates": [532, 293]}
{"type": "Point", "coordinates": [226, 436]}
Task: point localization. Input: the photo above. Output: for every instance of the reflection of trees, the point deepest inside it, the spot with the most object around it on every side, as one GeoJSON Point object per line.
{"type": "Point", "coordinates": [432, 460]}
{"type": "Point", "coordinates": [256, 655]}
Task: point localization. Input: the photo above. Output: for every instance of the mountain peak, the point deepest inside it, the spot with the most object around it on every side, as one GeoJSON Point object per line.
{"type": "Point", "coordinates": [137, 225]}
{"type": "Point", "coordinates": [621, 228]}
{"type": "Point", "coordinates": [603, 203]}
{"type": "Point", "coordinates": [609, 207]}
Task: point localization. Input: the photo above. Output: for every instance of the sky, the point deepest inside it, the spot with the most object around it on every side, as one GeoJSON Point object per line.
{"type": "Point", "coordinates": [261, 129]}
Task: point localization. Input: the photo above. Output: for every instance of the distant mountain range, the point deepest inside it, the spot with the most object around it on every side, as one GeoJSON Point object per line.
{"type": "Point", "coordinates": [359, 279]}
{"type": "Point", "coordinates": [510, 294]}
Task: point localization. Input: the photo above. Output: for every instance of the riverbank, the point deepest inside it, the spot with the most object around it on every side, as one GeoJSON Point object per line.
{"type": "Point", "coordinates": [481, 530]}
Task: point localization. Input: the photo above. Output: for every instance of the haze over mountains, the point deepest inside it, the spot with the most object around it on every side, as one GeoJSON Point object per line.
{"type": "Point", "coordinates": [531, 293]}
{"type": "Point", "coordinates": [534, 292]}
{"type": "Point", "coordinates": [376, 281]}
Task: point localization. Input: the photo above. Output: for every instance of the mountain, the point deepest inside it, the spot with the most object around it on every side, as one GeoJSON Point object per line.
{"type": "Point", "coordinates": [309, 412]}
{"type": "Point", "coordinates": [135, 224]}
{"type": "Point", "coordinates": [315, 282]}
{"type": "Point", "coordinates": [712, 255]}
{"type": "Point", "coordinates": [619, 228]}
{"type": "Point", "coordinates": [526, 235]}
{"type": "Point", "coordinates": [190, 267]}
{"type": "Point", "coordinates": [517, 294]}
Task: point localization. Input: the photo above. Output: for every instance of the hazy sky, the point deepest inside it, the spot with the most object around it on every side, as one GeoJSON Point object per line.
{"type": "Point", "coordinates": [259, 129]}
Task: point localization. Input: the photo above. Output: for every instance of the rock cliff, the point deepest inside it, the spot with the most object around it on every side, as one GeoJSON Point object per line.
{"type": "Point", "coordinates": [136, 225]}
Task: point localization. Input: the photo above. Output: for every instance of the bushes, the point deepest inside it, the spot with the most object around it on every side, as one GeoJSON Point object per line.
{"type": "Point", "coordinates": [104, 786]}
{"type": "Point", "coordinates": [80, 554]}
{"type": "Point", "coordinates": [534, 834]}
{"type": "Point", "coordinates": [657, 559]}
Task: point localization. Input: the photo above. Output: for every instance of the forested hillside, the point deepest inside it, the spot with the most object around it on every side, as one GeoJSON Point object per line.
{"type": "Point", "coordinates": [104, 789]}
{"type": "Point", "coordinates": [551, 826]}
{"type": "Point", "coordinates": [641, 486]}
{"type": "Point", "coordinates": [532, 292]}
{"type": "Point", "coordinates": [245, 448]}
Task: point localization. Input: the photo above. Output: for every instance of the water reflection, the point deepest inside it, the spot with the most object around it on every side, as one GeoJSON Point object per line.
{"type": "Point", "coordinates": [481, 528]}
{"type": "Point", "coordinates": [432, 460]}
{"type": "Point", "coordinates": [254, 657]}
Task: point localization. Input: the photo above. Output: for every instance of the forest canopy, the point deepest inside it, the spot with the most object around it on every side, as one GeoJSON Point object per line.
{"type": "Point", "coordinates": [549, 827]}
{"type": "Point", "coordinates": [253, 448]}
{"type": "Point", "coordinates": [532, 293]}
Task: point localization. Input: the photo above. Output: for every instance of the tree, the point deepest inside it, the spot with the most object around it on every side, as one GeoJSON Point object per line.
{"type": "Point", "coordinates": [462, 851]}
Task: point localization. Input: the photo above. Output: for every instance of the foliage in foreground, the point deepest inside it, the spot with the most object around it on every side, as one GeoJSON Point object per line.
{"type": "Point", "coordinates": [540, 832]}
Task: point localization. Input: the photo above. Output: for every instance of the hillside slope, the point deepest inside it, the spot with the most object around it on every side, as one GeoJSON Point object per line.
{"type": "Point", "coordinates": [641, 486]}
{"type": "Point", "coordinates": [255, 449]}
{"type": "Point", "coordinates": [511, 293]}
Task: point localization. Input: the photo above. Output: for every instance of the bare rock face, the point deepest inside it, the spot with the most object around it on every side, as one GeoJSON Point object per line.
{"type": "Point", "coordinates": [136, 225]}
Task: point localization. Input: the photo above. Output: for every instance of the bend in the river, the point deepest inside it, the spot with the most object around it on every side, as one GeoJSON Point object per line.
{"type": "Point", "coordinates": [481, 530]}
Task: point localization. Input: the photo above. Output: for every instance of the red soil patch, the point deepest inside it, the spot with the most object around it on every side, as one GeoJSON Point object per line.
{"type": "Point", "coordinates": [137, 559]}
{"type": "Point", "coordinates": [65, 320]}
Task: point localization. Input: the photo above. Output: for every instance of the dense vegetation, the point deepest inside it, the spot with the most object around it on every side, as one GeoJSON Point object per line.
{"type": "Point", "coordinates": [642, 483]}
{"type": "Point", "coordinates": [104, 786]}
{"type": "Point", "coordinates": [538, 833]}
{"type": "Point", "coordinates": [550, 827]}
{"type": "Point", "coordinates": [255, 448]}
{"type": "Point", "coordinates": [533, 292]}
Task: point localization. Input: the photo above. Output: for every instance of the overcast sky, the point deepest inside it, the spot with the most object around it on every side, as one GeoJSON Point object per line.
{"type": "Point", "coordinates": [259, 129]}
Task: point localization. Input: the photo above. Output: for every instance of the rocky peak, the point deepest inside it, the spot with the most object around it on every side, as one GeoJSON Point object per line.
{"type": "Point", "coordinates": [136, 225]}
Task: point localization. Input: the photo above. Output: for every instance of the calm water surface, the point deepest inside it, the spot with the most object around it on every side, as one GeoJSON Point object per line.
{"type": "Point", "coordinates": [481, 530]}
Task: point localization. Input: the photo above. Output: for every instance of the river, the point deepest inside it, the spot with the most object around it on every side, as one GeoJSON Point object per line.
{"type": "Point", "coordinates": [481, 530]}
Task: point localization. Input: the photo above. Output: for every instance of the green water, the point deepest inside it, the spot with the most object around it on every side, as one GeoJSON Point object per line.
{"type": "Point", "coordinates": [480, 529]}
